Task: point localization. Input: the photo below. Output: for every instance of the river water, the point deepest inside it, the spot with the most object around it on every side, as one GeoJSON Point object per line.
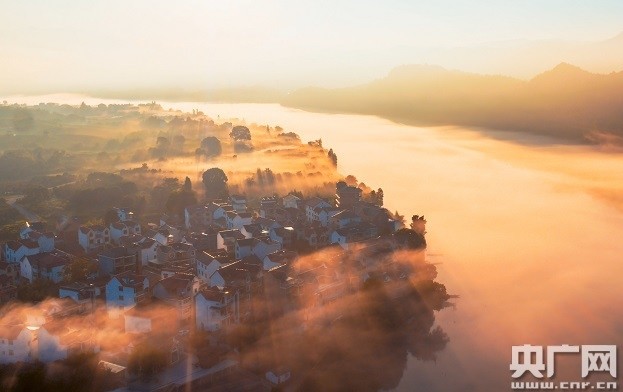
{"type": "Point", "coordinates": [527, 233]}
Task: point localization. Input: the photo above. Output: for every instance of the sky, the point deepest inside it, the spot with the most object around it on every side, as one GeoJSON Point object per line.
{"type": "Point", "coordinates": [69, 45]}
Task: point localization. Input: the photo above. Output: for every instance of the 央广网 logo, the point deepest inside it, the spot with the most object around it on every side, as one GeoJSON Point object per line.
{"type": "Point", "coordinates": [534, 360]}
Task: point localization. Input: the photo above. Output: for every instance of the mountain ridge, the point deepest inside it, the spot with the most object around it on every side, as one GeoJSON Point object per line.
{"type": "Point", "coordinates": [565, 102]}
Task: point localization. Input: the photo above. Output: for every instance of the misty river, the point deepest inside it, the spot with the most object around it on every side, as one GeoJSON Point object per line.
{"type": "Point", "coordinates": [527, 233]}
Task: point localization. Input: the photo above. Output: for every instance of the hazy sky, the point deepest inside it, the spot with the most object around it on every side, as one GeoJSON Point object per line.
{"type": "Point", "coordinates": [68, 45]}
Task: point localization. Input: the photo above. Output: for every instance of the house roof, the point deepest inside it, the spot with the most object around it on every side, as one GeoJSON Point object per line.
{"type": "Point", "coordinates": [213, 294]}
{"type": "Point", "coordinates": [280, 273]}
{"type": "Point", "coordinates": [313, 202]}
{"type": "Point", "coordinates": [253, 228]}
{"type": "Point", "coordinates": [49, 259]}
{"type": "Point", "coordinates": [177, 285]}
{"type": "Point", "coordinates": [345, 214]}
{"type": "Point", "coordinates": [118, 225]}
{"type": "Point", "coordinates": [281, 231]}
{"type": "Point", "coordinates": [151, 310]}
{"type": "Point", "coordinates": [251, 260]}
{"type": "Point", "coordinates": [291, 196]}
{"type": "Point", "coordinates": [130, 279]}
{"type": "Point", "coordinates": [14, 245]}
{"type": "Point", "coordinates": [246, 242]}
{"type": "Point", "coordinates": [119, 251]}
{"type": "Point", "coordinates": [35, 235]}
{"type": "Point", "coordinates": [87, 229]}
{"type": "Point", "coordinates": [206, 258]}
{"type": "Point", "coordinates": [231, 234]}
{"type": "Point", "coordinates": [282, 256]}
{"type": "Point", "coordinates": [233, 272]}
{"type": "Point", "coordinates": [11, 332]}
{"type": "Point", "coordinates": [146, 243]}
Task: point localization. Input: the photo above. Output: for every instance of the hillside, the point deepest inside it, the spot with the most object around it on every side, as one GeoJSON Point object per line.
{"type": "Point", "coordinates": [565, 102]}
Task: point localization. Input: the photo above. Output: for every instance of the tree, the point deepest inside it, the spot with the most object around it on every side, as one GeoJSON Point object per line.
{"type": "Point", "coordinates": [240, 132]}
{"type": "Point", "coordinates": [146, 360]}
{"type": "Point", "coordinates": [79, 269]}
{"type": "Point", "coordinates": [400, 218]}
{"type": "Point", "coordinates": [332, 157]}
{"type": "Point", "coordinates": [211, 146]}
{"type": "Point", "coordinates": [110, 217]}
{"type": "Point", "coordinates": [178, 200]}
{"type": "Point", "coordinates": [187, 187]}
{"type": "Point", "coordinates": [215, 182]}
{"type": "Point", "coordinates": [410, 239]}
{"type": "Point", "coordinates": [379, 197]}
{"type": "Point", "coordinates": [22, 120]}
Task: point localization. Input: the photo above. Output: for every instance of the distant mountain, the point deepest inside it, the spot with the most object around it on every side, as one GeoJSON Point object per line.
{"type": "Point", "coordinates": [525, 58]}
{"type": "Point", "coordinates": [565, 102]}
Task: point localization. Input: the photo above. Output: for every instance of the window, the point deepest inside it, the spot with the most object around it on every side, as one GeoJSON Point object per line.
{"type": "Point", "coordinates": [10, 352]}
{"type": "Point", "coordinates": [121, 298]}
{"type": "Point", "coordinates": [10, 342]}
{"type": "Point", "coordinates": [120, 288]}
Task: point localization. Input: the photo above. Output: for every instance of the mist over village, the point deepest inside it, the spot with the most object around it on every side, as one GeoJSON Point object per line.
{"type": "Point", "coordinates": [152, 280]}
{"type": "Point", "coordinates": [311, 196]}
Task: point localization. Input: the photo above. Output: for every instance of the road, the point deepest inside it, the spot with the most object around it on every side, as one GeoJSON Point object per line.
{"type": "Point", "coordinates": [29, 215]}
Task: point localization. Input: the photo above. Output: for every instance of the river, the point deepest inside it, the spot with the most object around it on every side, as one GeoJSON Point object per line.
{"type": "Point", "coordinates": [528, 234]}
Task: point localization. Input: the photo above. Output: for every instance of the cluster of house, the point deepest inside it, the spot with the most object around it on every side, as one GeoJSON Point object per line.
{"type": "Point", "coordinates": [203, 269]}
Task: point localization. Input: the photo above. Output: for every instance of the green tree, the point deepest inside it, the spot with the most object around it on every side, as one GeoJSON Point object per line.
{"type": "Point", "coordinates": [146, 360]}
{"type": "Point", "coordinates": [240, 132]}
{"type": "Point", "coordinates": [333, 157]}
{"type": "Point", "coordinates": [215, 182]}
{"type": "Point", "coordinates": [178, 200]}
{"type": "Point", "coordinates": [410, 239]}
{"type": "Point", "coordinates": [188, 186]}
{"type": "Point", "coordinates": [79, 269]}
{"type": "Point", "coordinates": [211, 146]}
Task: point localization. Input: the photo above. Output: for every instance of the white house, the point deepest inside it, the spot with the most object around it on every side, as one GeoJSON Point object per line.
{"type": "Point", "coordinates": [197, 216]}
{"type": "Point", "coordinates": [312, 204]}
{"type": "Point", "coordinates": [93, 237]}
{"type": "Point", "coordinates": [230, 275]}
{"type": "Point", "coordinates": [291, 201]}
{"type": "Point", "coordinates": [236, 220]}
{"type": "Point", "coordinates": [15, 250]}
{"type": "Point", "coordinates": [56, 340]}
{"type": "Point", "coordinates": [225, 239]}
{"type": "Point", "coordinates": [123, 229]}
{"type": "Point", "coordinates": [125, 290]}
{"type": "Point", "coordinates": [15, 343]}
{"type": "Point", "coordinates": [283, 235]}
{"type": "Point", "coordinates": [252, 230]}
{"type": "Point", "coordinates": [265, 246]}
{"type": "Point", "coordinates": [215, 309]}
{"type": "Point", "coordinates": [45, 266]}
{"type": "Point", "coordinates": [207, 264]}
{"type": "Point", "coordinates": [238, 202]}
{"type": "Point", "coordinates": [244, 247]}
{"type": "Point", "coordinates": [44, 240]}
{"type": "Point", "coordinates": [152, 317]}
{"type": "Point", "coordinates": [278, 258]}
{"type": "Point", "coordinates": [147, 250]}
{"type": "Point", "coordinates": [177, 291]}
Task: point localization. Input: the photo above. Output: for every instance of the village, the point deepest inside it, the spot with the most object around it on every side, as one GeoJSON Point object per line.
{"type": "Point", "coordinates": [188, 283]}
